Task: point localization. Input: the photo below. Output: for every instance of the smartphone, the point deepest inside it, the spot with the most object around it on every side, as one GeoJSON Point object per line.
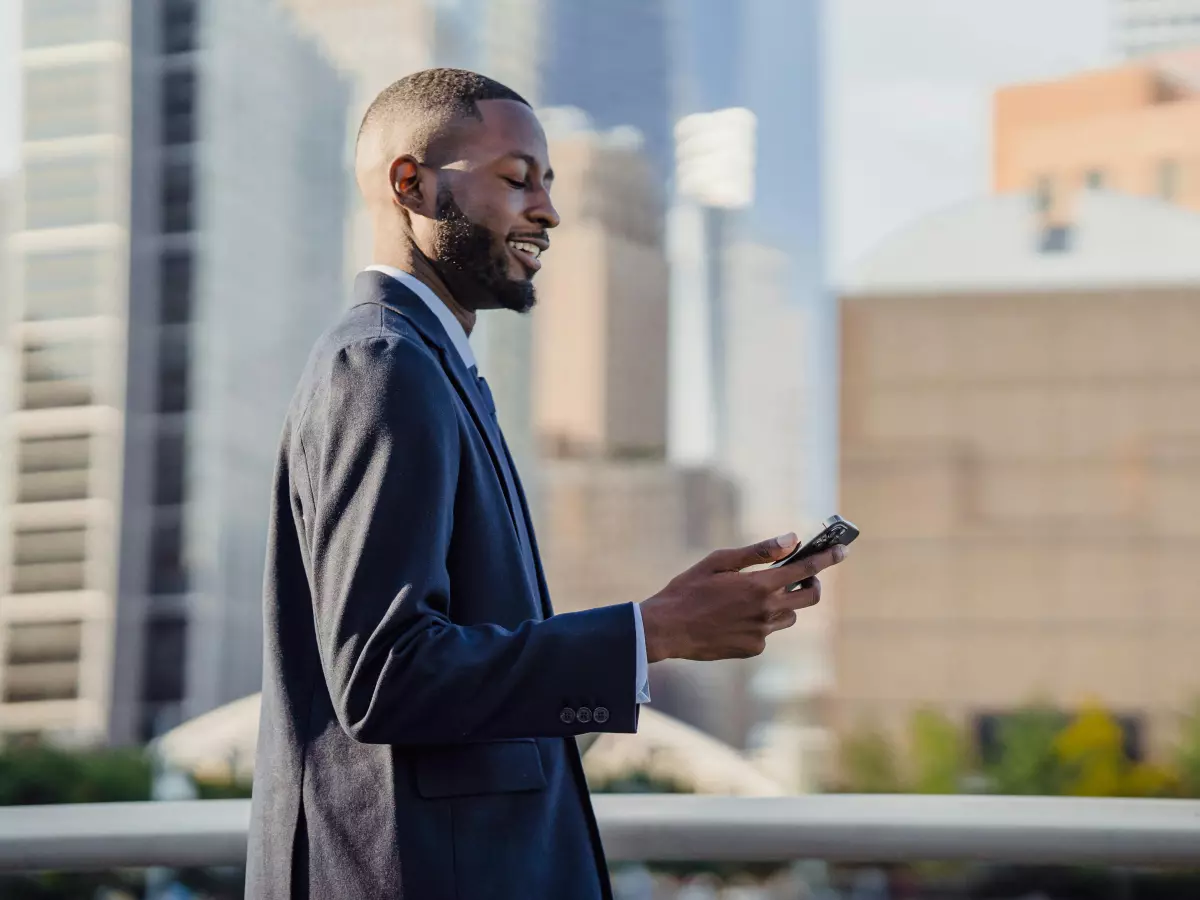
{"type": "Point", "coordinates": [834, 530]}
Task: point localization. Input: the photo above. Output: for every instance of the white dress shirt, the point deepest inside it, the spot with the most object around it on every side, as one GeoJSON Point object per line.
{"type": "Point", "coordinates": [458, 337]}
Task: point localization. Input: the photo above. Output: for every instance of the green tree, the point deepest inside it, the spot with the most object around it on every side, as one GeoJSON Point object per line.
{"type": "Point", "coordinates": [1026, 761]}
{"type": "Point", "coordinates": [1187, 753]}
{"type": "Point", "coordinates": [1092, 749]}
{"type": "Point", "coordinates": [940, 758]}
{"type": "Point", "coordinates": [869, 764]}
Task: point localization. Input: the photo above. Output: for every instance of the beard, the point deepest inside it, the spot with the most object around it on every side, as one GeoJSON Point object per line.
{"type": "Point", "coordinates": [473, 250]}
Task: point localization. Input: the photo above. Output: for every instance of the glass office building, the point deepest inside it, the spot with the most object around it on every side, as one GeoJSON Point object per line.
{"type": "Point", "coordinates": [176, 246]}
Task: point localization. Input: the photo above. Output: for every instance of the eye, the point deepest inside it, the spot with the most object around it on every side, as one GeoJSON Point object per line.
{"type": "Point", "coordinates": [514, 183]}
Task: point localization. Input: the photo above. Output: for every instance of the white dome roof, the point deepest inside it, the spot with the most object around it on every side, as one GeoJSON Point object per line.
{"type": "Point", "coordinates": [992, 244]}
{"type": "Point", "coordinates": [222, 743]}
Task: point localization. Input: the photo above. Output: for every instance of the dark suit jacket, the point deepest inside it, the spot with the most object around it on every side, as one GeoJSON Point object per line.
{"type": "Point", "coordinates": [420, 703]}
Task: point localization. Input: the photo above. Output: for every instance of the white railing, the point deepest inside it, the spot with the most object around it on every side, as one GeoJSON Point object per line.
{"type": "Point", "coordinates": [674, 827]}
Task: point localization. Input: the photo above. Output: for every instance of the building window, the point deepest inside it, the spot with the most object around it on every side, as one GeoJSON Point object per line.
{"type": "Point", "coordinates": [173, 351]}
{"type": "Point", "coordinates": [1044, 193]}
{"type": "Point", "coordinates": [64, 285]}
{"type": "Point", "coordinates": [178, 26]}
{"type": "Point", "coordinates": [168, 572]}
{"type": "Point", "coordinates": [39, 682]}
{"type": "Point", "coordinates": [169, 467]}
{"type": "Point", "coordinates": [44, 642]}
{"type": "Point", "coordinates": [63, 193]}
{"type": "Point", "coordinates": [177, 195]}
{"type": "Point", "coordinates": [57, 374]}
{"type": "Point", "coordinates": [1169, 178]}
{"type": "Point", "coordinates": [50, 23]}
{"type": "Point", "coordinates": [1055, 239]}
{"type": "Point", "coordinates": [69, 101]}
{"type": "Point", "coordinates": [1094, 179]}
{"type": "Point", "coordinates": [54, 468]}
{"type": "Point", "coordinates": [179, 107]}
{"type": "Point", "coordinates": [164, 660]}
{"type": "Point", "coordinates": [175, 287]}
{"type": "Point", "coordinates": [48, 559]}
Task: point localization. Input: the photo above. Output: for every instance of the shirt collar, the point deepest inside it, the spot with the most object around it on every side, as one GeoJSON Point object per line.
{"type": "Point", "coordinates": [454, 329]}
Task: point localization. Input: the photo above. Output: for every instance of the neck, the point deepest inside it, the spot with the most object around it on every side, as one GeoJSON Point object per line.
{"type": "Point", "coordinates": [408, 258]}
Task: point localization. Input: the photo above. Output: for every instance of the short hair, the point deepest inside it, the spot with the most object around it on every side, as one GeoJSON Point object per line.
{"type": "Point", "coordinates": [430, 100]}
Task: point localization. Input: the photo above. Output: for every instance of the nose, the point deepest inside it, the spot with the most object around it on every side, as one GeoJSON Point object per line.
{"type": "Point", "coordinates": [543, 212]}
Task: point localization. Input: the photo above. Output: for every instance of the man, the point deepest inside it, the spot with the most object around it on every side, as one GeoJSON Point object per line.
{"type": "Point", "coordinates": [420, 699]}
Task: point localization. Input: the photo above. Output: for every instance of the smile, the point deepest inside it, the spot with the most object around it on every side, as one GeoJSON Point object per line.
{"type": "Point", "coordinates": [528, 253]}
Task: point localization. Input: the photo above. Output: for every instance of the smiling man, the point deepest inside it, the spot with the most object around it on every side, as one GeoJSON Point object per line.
{"type": "Point", "coordinates": [420, 698]}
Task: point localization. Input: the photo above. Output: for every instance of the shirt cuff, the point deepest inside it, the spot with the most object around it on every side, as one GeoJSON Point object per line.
{"type": "Point", "coordinates": [642, 675]}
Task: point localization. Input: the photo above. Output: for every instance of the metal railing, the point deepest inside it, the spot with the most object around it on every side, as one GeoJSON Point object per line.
{"type": "Point", "coordinates": [674, 827]}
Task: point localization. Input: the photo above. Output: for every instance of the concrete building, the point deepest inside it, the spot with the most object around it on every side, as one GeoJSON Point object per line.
{"type": "Point", "coordinates": [1021, 450]}
{"type": "Point", "coordinates": [1141, 27]}
{"type": "Point", "coordinates": [1133, 129]}
{"type": "Point", "coordinates": [600, 330]}
{"type": "Point", "coordinates": [618, 521]}
{"type": "Point", "coordinates": [176, 249]}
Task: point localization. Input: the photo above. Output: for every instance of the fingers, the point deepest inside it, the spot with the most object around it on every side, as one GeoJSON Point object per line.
{"type": "Point", "coordinates": [781, 620]}
{"type": "Point", "coordinates": [777, 579]}
{"type": "Point", "coordinates": [735, 560]}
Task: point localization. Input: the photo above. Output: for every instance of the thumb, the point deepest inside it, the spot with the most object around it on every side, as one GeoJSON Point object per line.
{"type": "Point", "coordinates": [757, 554]}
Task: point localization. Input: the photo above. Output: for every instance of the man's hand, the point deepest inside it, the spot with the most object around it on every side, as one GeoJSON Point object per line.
{"type": "Point", "coordinates": [714, 610]}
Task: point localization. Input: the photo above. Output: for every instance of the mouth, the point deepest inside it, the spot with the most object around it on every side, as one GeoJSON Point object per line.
{"type": "Point", "coordinates": [528, 251]}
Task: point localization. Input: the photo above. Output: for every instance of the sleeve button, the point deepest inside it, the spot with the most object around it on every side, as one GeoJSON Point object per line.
{"type": "Point", "coordinates": [583, 715]}
{"type": "Point", "coordinates": [600, 715]}
{"type": "Point", "coordinates": [567, 716]}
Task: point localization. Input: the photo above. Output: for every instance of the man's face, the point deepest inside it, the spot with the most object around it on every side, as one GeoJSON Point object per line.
{"type": "Point", "coordinates": [493, 209]}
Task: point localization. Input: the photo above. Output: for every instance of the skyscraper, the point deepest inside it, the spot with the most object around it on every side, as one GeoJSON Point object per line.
{"type": "Point", "coordinates": [177, 242]}
{"type": "Point", "coordinates": [1141, 27]}
{"type": "Point", "coordinates": [613, 61]}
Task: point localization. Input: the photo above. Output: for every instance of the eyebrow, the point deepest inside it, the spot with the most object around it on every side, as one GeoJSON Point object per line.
{"type": "Point", "coordinates": [532, 161]}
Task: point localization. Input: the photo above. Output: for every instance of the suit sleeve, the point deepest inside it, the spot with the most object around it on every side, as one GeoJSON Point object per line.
{"type": "Point", "coordinates": [380, 448]}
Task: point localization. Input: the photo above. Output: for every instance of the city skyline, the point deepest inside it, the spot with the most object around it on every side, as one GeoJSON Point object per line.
{"type": "Point", "coordinates": [907, 129]}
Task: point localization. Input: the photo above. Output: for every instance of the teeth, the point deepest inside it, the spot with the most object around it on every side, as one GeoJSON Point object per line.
{"type": "Point", "coordinates": [532, 249]}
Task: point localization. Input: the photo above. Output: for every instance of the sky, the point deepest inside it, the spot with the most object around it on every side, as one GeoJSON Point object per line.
{"type": "Point", "coordinates": [908, 112]}
{"type": "Point", "coordinates": [910, 86]}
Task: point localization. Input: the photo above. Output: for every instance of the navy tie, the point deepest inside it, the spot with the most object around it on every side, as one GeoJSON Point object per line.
{"type": "Point", "coordinates": [486, 391]}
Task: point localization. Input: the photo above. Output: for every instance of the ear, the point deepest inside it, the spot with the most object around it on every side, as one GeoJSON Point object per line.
{"type": "Point", "coordinates": [408, 187]}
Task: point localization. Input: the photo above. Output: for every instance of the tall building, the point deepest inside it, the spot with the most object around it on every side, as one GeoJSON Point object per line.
{"type": "Point", "coordinates": [601, 327]}
{"type": "Point", "coordinates": [1142, 27]}
{"type": "Point", "coordinates": [613, 61]}
{"type": "Point", "coordinates": [1133, 129]}
{"type": "Point", "coordinates": [1020, 449]}
{"type": "Point", "coordinates": [176, 249]}
{"type": "Point", "coordinates": [618, 520]}
{"type": "Point", "coordinates": [759, 261]}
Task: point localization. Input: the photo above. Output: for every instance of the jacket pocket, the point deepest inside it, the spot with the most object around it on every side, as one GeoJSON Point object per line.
{"type": "Point", "coordinates": [493, 767]}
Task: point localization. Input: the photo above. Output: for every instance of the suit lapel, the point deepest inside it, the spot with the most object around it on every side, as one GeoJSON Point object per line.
{"type": "Point", "coordinates": [376, 287]}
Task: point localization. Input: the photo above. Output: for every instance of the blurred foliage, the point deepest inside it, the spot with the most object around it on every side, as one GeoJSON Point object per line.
{"type": "Point", "coordinates": [941, 757]}
{"type": "Point", "coordinates": [869, 762]}
{"type": "Point", "coordinates": [33, 773]}
{"type": "Point", "coordinates": [1026, 760]}
{"type": "Point", "coordinates": [1092, 751]}
{"type": "Point", "coordinates": [38, 773]}
{"type": "Point", "coordinates": [211, 789]}
{"type": "Point", "coordinates": [1038, 752]}
{"type": "Point", "coordinates": [1187, 754]}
